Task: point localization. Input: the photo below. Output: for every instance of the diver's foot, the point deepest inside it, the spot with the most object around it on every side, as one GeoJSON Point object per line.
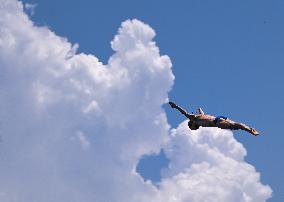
{"type": "Point", "coordinates": [254, 132]}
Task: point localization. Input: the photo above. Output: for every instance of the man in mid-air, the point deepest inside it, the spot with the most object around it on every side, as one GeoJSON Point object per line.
{"type": "Point", "coordinates": [204, 120]}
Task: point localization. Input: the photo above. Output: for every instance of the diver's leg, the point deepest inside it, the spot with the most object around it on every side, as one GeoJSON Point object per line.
{"type": "Point", "coordinates": [239, 126]}
{"type": "Point", "coordinates": [244, 127]}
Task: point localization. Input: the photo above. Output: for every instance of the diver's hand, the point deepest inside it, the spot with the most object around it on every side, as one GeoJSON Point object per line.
{"type": "Point", "coordinates": [173, 105]}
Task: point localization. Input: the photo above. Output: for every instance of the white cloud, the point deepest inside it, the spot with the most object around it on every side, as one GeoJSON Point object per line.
{"type": "Point", "coordinates": [83, 140]}
{"type": "Point", "coordinates": [208, 165]}
{"type": "Point", "coordinates": [50, 96]}
{"type": "Point", "coordinates": [30, 8]}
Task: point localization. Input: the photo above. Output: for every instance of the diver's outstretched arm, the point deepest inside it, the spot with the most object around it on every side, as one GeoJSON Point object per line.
{"type": "Point", "coordinates": [181, 110]}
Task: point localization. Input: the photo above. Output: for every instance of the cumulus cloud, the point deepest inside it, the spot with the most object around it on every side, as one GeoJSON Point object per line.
{"type": "Point", "coordinates": [74, 129]}
{"type": "Point", "coordinates": [208, 165]}
{"type": "Point", "coordinates": [30, 8]}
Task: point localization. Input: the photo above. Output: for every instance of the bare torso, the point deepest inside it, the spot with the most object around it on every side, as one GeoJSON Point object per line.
{"type": "Point", "coordinates": [205, 120]}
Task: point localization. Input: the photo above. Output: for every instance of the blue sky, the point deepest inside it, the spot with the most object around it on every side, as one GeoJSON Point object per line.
{"type": "Point", "coordinates": [227, 56]}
